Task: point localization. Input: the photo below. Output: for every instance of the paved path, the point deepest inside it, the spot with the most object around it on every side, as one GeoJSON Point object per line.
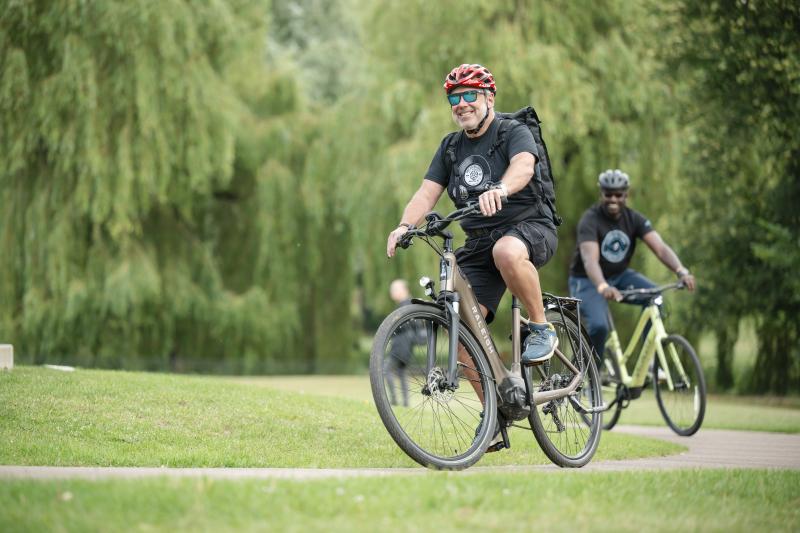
{"type": "Point", "coordinates": [709, 448]}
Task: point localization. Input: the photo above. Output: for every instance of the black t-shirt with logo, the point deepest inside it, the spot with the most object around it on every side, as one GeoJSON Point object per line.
{"type": "Point", "coordinates": [478, 170]}
{"type": "Point", "coordinates": [616, 239]}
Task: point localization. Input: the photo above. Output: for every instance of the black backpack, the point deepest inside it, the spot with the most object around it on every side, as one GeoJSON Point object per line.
{"type": "Point", "coordinates": [542, 183]}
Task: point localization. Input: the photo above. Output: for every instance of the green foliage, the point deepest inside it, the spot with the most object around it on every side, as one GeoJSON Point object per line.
{"type": "Point", "coordinates": [123, 136]}
{"type": "Point", "coordinates": [209, 185]}
{"type": "Point", "coordinates": [742, 61]}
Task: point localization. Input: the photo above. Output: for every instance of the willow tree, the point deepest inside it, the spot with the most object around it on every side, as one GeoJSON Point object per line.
{"type": "Point", "coordinates": [128, 162]}
{"type": "Point", "coordinates": [742, 59]}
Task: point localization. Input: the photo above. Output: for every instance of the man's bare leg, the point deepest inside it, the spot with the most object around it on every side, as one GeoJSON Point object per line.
{"type": "Point", "coordinates": [511, 259]}
{"type": "Point", "coordinates": [521, 278]}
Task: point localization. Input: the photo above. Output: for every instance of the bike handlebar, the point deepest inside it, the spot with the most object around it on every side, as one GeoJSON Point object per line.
{"type": "Point", "coordinates": [436, 224]}
{"type": "Point", "coordinates": [654, 290]}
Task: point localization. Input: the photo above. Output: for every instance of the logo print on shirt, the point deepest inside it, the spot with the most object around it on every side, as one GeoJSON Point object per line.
{"type": "Point", "coordinates": [473, 175]}
{"type": "Point", "coordinates": [474, 171]}
{"type": "Point", "coordinates": [615, 246]}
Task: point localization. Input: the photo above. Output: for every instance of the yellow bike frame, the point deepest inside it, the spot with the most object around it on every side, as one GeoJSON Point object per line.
{"type": "Point", "coordinates": [653, 345]}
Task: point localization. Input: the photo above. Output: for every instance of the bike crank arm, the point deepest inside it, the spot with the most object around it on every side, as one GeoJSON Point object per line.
{"type": "Point", "coordinates": [583, 410]}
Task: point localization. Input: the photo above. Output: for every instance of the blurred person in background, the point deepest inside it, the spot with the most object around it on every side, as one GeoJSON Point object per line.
{"type": "Point", "coordinates": [607, 234]}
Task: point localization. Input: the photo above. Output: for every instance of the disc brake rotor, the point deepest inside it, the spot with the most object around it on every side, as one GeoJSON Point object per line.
{"type": "Point", "coordinates": [437, 385]}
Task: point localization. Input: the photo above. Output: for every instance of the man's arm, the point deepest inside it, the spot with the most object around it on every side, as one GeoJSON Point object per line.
{"type": "Point", "coordinates": [517, 175]}
{"type": "Point", "coordinates": [420, 204]}
{"type": "Point", "coordinates": [590, 255]}
{"type": "Point", "coordinates": [667, 256]}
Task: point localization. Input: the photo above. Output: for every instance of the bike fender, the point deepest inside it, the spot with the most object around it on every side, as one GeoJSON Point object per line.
{"type": "Point", "coordinates": [428, 303]}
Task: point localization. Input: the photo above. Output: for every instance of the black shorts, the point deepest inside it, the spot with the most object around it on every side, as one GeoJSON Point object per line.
{"type": "Point", "coordinates": [477, 263]}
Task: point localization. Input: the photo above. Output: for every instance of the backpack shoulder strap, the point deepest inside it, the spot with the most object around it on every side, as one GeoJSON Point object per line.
{"type": "Point", "coordinates": [503, 126]}
{"type": "Point", "coordinates": [450, 147]}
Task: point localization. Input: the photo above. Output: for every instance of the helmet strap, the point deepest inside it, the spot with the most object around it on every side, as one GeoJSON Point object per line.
{"type": "Point", "coordinates": [480, 124]}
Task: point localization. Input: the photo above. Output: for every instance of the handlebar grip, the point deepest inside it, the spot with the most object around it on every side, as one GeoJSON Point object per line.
{"type": "Point", "coordinates": [404, 241]}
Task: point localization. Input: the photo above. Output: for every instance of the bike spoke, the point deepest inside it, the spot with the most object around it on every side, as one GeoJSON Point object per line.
{"type": "Point", "coordinates": [440, 421]}
{"type": "Point", "coordinates": [683, 403]}
{"type": "Point", "coordinates": [568, 436]}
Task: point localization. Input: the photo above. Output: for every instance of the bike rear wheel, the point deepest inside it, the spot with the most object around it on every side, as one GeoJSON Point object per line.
{"type": "Point", "coordinates": [683, 407]}
{"type": "Point", "coordinates": [437, 426]}
{"type": "Point", "coordinates": [566, 435]}
{"type": "Point", "coordinates": [611, 379]}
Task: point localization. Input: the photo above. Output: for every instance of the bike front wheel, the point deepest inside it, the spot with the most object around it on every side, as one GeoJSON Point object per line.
{"type": "Point", "coordinates": [568, 433]}
{"type": "Point", "coordinates": [437, 424]}
{"type": "Point", "coordinates": [680, 386]}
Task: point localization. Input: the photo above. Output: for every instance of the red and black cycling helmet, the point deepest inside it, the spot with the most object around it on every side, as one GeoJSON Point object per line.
{"type": "Point", "coordinates": [468, 75]}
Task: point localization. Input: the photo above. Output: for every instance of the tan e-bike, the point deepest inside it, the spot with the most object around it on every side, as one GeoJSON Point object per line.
{"type": "Point", "coordinates": [461, 395]}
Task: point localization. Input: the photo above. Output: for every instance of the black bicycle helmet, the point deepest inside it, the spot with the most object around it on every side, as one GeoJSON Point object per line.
{"type": "Point", "coordinates": [613, 179]}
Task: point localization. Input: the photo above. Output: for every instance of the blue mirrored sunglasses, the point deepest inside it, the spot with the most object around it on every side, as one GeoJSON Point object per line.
{"type": "Point", "coordinates": [468, 96]}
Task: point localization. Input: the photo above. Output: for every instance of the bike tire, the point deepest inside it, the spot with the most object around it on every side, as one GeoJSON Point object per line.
{"type": "Point", "coordinates": [567, 437]}
{"type": "Point", "coordinates": [439, 429]}
{"type": "Point", "coordinates": [684, 407]}
{"type": "Point", "coordinates": [611, 380]}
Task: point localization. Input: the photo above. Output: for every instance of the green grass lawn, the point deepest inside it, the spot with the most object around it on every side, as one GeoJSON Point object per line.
{"type": "Point", "coordinates": [722, 412]}
{"type": "Point", "coordinates": [93, 417]}
{"type": "Point", "coordinates": [716, 500]}
{"type": "Point", "coordinates": [104, 418]}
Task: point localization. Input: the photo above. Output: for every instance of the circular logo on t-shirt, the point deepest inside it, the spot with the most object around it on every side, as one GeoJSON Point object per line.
{"type": "Point", "coordinates": [475, 171]}
{"type": "Point", "coordinates": [473, 175]}
{"type": "Point", "coordinates": [615, 246]}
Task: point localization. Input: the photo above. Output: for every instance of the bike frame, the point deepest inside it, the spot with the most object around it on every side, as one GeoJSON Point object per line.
{"type": "Point", "coordinates": [651, 348]}
{"type": "Point", "coordinates": [453, 282]}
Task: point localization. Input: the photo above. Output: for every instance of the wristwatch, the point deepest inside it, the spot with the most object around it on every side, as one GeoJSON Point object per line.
{"type": "Point", "coordinates": [406, 224]}
{"type": "Point", "coordinates": [681, 272]}
{"type": "Point", "coordinates": [502, 188]}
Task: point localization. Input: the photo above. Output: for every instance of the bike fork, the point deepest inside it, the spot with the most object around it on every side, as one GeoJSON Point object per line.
{"type": "Point", "coordinates": [432, 330]}
{"type": "Point", "coordinates": [452, 369]}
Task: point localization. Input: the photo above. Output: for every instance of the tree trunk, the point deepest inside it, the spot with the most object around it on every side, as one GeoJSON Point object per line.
{"type": "Point", "coordinates": [772, 371]}
{"type": "Point", "coordinates": [726, 339]}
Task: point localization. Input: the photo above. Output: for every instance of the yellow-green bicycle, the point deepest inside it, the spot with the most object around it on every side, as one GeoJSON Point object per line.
{"type": "Point", "coordinates": [676, 375]}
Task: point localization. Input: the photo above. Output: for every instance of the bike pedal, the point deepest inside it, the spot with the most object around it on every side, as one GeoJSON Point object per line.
{"type": "Point", "coordinates": [496, 447]}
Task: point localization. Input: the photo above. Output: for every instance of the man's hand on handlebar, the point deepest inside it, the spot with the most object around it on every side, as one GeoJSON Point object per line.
{"type": "Point", "coordinates": [394, 236]}
{"type": "Point", "coordinates": [434, 225]}
{"type": "Point", "coordinates": [611, 293]}
{"type": "Point", "coordinates": [688, 280]}
{"type": "Point", "coordinates": [491, 201]}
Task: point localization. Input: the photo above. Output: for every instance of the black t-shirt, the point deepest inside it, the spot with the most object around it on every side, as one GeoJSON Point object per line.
{"type": "Point", "coordinates": [616, 238]}
{"type": "Point", "coordinates": [478, 170]}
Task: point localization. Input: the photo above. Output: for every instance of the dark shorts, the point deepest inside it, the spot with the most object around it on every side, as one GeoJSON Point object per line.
{"type": "Point", "coordinates": [477, 264]}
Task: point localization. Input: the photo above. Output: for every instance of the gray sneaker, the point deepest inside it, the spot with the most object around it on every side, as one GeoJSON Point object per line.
{"type": "Point", "coordinates": [540, 344]}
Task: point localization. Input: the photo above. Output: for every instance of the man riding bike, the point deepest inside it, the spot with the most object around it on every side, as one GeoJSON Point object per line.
{"type": "Point", "coordinates": [509, 241]}
{"type": "Point", "coordinates": [607, 234]}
